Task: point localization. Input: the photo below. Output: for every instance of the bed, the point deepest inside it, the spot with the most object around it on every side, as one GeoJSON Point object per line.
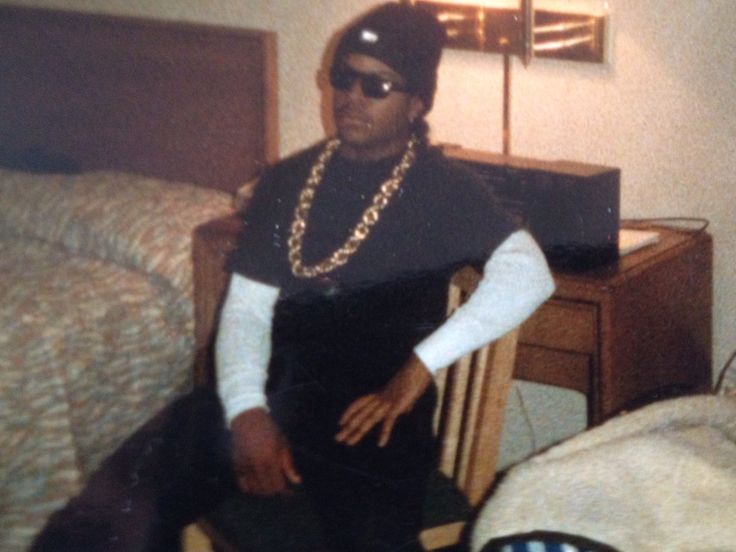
{"type": "Point", "coordinates": [662, 477]}
{"type": "Point", "coordinates": [118, 137]}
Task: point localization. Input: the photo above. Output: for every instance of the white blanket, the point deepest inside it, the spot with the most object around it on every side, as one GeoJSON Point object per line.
{"type": "Point", "coordinates": [659, 478]}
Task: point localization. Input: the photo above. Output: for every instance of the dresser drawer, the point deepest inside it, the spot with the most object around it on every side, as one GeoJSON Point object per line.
{"type": "Point", "coordinates": [553, 367]}
{"type": "Point", "coordinates": [564, 325]}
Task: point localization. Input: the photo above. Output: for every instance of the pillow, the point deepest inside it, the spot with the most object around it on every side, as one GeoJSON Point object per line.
{"type": "Point", "coordinates": [139, 222]}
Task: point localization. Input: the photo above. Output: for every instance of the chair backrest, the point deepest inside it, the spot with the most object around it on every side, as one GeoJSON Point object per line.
{"type": "Point", "coordinates": [472, 400]}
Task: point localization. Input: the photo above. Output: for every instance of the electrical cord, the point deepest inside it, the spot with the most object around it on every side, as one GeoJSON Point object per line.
{"type": "Point", "coordinates": [722, 373]}
{"type": "Point", "coordinates": [527, 418]}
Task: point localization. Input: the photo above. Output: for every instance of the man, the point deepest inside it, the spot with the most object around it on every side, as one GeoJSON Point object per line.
{"type": "Point", "coordinates": [333, 323]}
{"type": "Point", "coordinates": [332, 328]}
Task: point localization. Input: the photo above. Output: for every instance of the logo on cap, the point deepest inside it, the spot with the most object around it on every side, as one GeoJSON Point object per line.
{"type": "Point", "coordinates": [367, 35]}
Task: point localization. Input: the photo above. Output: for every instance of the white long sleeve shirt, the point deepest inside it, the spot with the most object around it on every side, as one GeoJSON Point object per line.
{"type": "Point", "coordinates": [515, 281]}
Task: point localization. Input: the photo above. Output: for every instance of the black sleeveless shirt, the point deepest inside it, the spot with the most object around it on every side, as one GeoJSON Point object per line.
{"type": "Point", "coordinates": [353, 329]}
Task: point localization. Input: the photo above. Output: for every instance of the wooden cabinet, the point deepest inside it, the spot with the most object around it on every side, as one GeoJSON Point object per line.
{"type": "Point", "coordinates": [628, 332]}
{"type": "Point", "coordinates": [622, 334]}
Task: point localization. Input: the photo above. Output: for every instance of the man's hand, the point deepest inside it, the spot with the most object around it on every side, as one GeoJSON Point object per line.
{"type": "Point", "coordinates": [262, 458]}
{"type": "Point", "coordinates": [397, 398]}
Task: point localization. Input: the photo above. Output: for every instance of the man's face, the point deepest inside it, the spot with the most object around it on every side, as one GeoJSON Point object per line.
{"type": "Point", "coordinates": [373, 128]}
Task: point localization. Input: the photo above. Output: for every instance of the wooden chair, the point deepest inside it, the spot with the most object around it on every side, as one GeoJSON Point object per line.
{"type": "Point", "coordinates": [472, 399]}
{"type": "Point", "coordinates": [469, 420]}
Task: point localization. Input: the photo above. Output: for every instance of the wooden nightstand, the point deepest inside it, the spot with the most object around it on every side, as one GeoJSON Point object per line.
{"type": "Point", "coordinates": [623, 334]}
{"type": "Point", "coordinates": [629, 332]}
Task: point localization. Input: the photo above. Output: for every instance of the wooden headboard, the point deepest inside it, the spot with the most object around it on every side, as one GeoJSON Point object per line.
{"type": "Point", "coordinates": [178, 101]}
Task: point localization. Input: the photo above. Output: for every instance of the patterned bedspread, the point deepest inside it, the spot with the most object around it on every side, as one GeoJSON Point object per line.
{"type": "Point", "coordinates": [96, 325]}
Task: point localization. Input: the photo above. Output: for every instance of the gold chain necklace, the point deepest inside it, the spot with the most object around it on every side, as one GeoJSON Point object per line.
{"type": "Point", "coordinates": [361, 230]}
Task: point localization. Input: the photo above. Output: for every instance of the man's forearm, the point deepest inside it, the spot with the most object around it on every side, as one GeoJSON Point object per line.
{"type": "Point", "coordinates": [243, 347]}
{"type": "Point", "coordinates": [516, 280]}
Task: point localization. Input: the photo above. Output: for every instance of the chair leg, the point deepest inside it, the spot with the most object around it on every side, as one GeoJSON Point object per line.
{"type": "Point", "coordinates": [216, 540]}
{"type": "Point", "coordinates": [442, 536]}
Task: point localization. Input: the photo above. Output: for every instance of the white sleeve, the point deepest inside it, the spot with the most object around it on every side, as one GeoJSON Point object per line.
{"type": "Point", "coordinates": [243, 346]}
{"type": "Point", "coordinates": [516, 280]}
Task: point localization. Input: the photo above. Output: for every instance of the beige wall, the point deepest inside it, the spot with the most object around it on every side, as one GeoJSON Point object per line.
{"type": "Point", "coordinates": [663, 109]}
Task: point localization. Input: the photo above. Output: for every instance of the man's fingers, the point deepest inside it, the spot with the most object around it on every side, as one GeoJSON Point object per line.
{"type": "Point", "coordinates": [388, 426]}
{"type": "Point", "coordinates": [256, 480]}
{"type": "Point", "coordinates": [356, 406]}
{"type": "Point", "coordinates": [359, 416]}
{"type": "Point", "coordinates": [360, 431]}
{"type": "Point", "coordinates": [397, 397]}
{"type": "Point", "coordinates": [243, 484]}
{"type": "Point", "coordinates": [290, 469]}
{"type": "Point", "coordinates": [356, 432]}
{"type": "Point", "coordinates": [245, 477]}
{"type": "Point", "coordinates": [263, 478]}
{"type": "Point", "coordinates": [356, 414]}
{"type": "Point", "coordinates": [275, 481]}
{"type": "Point", "coordinates": [249, 483]}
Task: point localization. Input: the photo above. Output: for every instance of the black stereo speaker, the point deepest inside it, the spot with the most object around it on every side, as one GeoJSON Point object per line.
{"type": "Point", "coordinates": [571, 208]}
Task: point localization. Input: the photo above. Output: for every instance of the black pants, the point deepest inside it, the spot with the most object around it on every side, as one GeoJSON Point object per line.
{"type": "Point", "coordinates": [163, 477]}
{"type": "Point", "coordinates": [368, 498]}
{"type": "Point", "coordinates": [177, 468]}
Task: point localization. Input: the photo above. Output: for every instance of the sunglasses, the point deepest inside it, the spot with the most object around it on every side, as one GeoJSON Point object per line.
{"type": "Point", "coordinates": [372, 85]}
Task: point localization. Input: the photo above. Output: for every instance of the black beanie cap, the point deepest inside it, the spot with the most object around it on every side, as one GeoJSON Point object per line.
{"type": "Point", "coordinates": [404, 37]}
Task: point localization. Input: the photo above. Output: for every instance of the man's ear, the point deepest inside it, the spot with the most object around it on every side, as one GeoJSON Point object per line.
{"type": "Point", "coordinates": [416, 108]}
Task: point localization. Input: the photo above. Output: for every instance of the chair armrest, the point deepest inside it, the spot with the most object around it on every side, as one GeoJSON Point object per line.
{"type": "Point", "coordinates": [213, 242]}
